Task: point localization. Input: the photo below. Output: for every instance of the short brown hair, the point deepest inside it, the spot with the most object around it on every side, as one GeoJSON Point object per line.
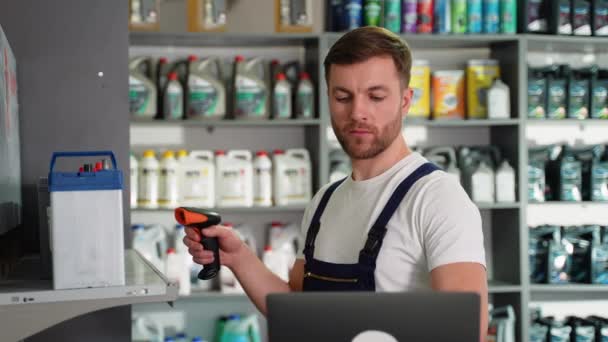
{"type": "Point", "coordinates": [363, 43]}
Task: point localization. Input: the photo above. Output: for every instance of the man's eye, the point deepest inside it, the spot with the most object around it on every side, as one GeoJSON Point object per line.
{"type": "Point", "coordinates": [377, 98]}
{"type": "Point", "coordinates": [342, 99]}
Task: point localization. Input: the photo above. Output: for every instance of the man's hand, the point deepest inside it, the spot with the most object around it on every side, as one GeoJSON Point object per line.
{"type": "Point", "coordinates": [464, 277]}
{"type": "Point", "coordinates": [231, 246]}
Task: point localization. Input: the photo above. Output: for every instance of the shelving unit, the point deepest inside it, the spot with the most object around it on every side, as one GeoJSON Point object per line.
{"type": "Point", "coordinates": [506, 224]}
{"type": "Point", "coordinates": [29, 305]}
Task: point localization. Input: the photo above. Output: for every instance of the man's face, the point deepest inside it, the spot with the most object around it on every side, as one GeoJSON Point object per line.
{"type": "Point", "coordinates": [367, 104]}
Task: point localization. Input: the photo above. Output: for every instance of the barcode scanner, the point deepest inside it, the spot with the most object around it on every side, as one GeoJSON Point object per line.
{"type": "Point", "coordinates": [201, 219]}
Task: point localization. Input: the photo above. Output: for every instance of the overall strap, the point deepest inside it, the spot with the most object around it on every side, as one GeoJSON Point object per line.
{"type": "Point", "coordinates": [315, 222]}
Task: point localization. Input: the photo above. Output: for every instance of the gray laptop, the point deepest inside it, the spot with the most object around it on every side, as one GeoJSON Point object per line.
{"type": "Point", "coordinates": [378, 317]}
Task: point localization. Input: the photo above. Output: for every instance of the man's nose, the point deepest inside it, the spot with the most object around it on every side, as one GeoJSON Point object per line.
{"type": "Point", "coordinates": [360, 108]}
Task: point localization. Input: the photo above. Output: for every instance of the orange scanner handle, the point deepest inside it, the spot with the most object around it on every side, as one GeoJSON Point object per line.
{"type": "Point", "coordinates": [201, 219]}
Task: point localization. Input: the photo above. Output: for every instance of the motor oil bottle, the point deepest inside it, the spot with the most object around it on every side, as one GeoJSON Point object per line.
{"type": "Point", "coordinates": [482, 184]}
{"type": "Point", "coordinates": [537, 93]}
{"type": "Point", "coordinates": [505, 183]}
{"type": "Point", "coordinates": [581, 17]}
{"type": "Point", "coordinates": [535, 16]}
{"type": "Point", "coordinates": [292, 177]}
{"type": "Point", "coordinates": [168, 191]}
{"type": "Point", "coordinates": [305, 97]}
{"type": "Point", "coordinates": [173, 98]}
{"type": "Point", "coordinates": [250, 89]}
{"type": "Point", "coordinates": [561, 20]}
{"type": "Point", "coordinates": [353, 17]}
{"type": "Point", "coordinates": [163, 68]}
{"type": "Point", "coordinates": [148, 181]}
{"type": "Point", "coordinates": [445, 158]}
{"type": "Point", "coordinates": [281, 98]}
{"type": "Point", "coordinates": [206, 97]}
{"type": "Point", "coordinates": [142, 90]}
{"type": "Point", "coordinates": [499, 104]}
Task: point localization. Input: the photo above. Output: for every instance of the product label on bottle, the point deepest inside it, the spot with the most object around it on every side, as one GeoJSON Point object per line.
{"type": "Point", "coordinates": [601, 18]}
{"type": "Point", "coordinates": [353, 15]}
{"type": "Point", "coordinates": [305, 103]}
{"type": "Point", "coordinates": [174, 104]}
{"type": "Point", "coordinates": [536, 183]}
{"type": "Point", "coordinates": [571, 184]}
{"type": "Point", "coordinates": [564, 24]}
{"type": "Point", "coordinates": [139, 96]}
{"type": "Point", "coordinates": [537, 22]}
{"type": "Point", "coordinates": [202, 98]}
{"type": "Point", "coordinates": [232, 185]}
{"type": "Point", "coordinates": [167, 187]}
{"type": "Point", "coordinates": [282, 103]}
{"type": "Point", "coordinates": [491, 16]}
{"type": "Point", "coordinates": [508, 16]}
{"type": "Point", "coordinates": [474, 16]}
{"type": "Point", "coordinates": [262, 186]}
{"type": "Point", "coordinates": [581, 18]}
{"type": "Point", "coordinates": [196, 185]}
{"type": "Point", "coordinates": [250, 98]}
{"type": "Point", "coordinates": [410, 16]}
{"type": "Point", "coordinates": [393, 15]}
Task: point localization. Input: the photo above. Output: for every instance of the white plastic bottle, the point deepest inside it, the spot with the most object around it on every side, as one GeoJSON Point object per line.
{"type": "Point", "coordinates": [499, 105]}
{"type": "Point", "coordinates": [197, 179]}
{"type": "Point", "coordinates": [282, 98]}
{"type": "Point", "coordinates": [262, 180]}
{"type": "Point", "coordinates": [234, 185]}
{"type": "Point", "coordinates": [168, 193]}
{"type": "Point", "coordinates": [151, 243]}
{"type": "Point", "coordinates": [133, 170]}
{"type": "Point", "coordinates": [276, 262]}
{"type": "Point", "coordinates": [505, 183]}
{"type": "Point", "coordinates": [148, 181]}
{"type": "Point", "coordinates": [177, 272]}
{"type": "Point", "coordinates": [482, 184]}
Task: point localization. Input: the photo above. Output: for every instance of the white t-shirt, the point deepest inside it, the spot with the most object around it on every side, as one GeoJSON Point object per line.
{"type": "Point", "coordinates": [436, 224]}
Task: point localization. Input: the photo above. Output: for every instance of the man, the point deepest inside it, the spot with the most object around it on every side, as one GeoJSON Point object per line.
{"type": "Point", "coordinates": [398, 223]}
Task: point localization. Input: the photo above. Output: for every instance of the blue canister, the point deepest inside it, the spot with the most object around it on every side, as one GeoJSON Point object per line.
{"type": "Point", "coordinates": [474, 16]}
{"type": "Point", "coordinates": [352, 18]}
{"type": "Point", "coordinates": [443, 16]}
{"type": "Point", "coordinates": [491, 16]}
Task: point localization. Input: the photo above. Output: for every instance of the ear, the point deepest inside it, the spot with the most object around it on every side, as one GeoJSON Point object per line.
{"type": "Point", "coordinates": [406, 100]}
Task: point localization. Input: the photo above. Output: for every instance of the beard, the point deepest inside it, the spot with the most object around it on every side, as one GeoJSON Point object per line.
{"type": "Point", "coordinates": [359, 147]}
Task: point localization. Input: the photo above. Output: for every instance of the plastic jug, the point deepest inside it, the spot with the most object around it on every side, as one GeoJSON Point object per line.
{"type": "Point", "coordinates": [262, 180]}
{"type": "Point", "coordinates": [502, 324]}
{"type": "Point", "coordinates": [144, 328]}
{"type": "Point", "coordinates": [445, 158]}
{"type": "Point", "coordinates": [234, 179]}
{"type": "Point", "coordinates": [292, 177]}
{"type": "Point", "coordinates": [163, 68]}
{"type": "Point", "coordinates": [168, 191]}
{"type": "Point", "coordinates": [281, 98]}
{"type": "Point", "coordinates": [482, 184]}
{"type": "Point", "coordinates": [177, 271]}
{"type": "Point", "coordinates": [276, 262]}
{"type": "Point", "coordinates": [206, 93]}
{"type": "Point", "coordinates": [250, 89]}
{"type": "Point", "coordinates": [142, 90]}
{"type": "Point", "coordinates": [197, 179]}
{"type": "Point", "coordinates": [499, 104]}
{"type": "Point", "coordinates": [148, 181]}
{"type": "Point", "coordinates": [151, 243]}
{"type": "Point", "coordinates": [241, 329]}
{"type": "Point", "coordinates": [133, 170]}
{"type": "Point", "coordinates": [505, 183]}
{"type": "Point", "coordinates": [285, 239]}
{"type": "Point", "coordinates": [305, 97]}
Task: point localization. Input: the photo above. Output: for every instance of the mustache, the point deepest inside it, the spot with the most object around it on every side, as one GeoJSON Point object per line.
{"type": "Point", "coordinates": [359, 126]}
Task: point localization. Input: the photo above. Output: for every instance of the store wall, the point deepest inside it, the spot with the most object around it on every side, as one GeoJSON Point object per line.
{"type": "Point", "coordinates": [61, 48]}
